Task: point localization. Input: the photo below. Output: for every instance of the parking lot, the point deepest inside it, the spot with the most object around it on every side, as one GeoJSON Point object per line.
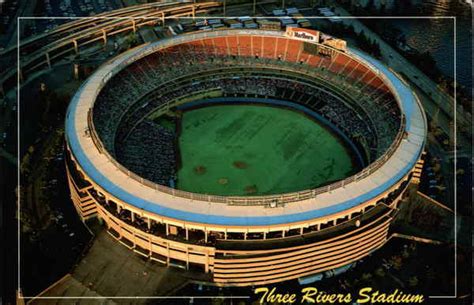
{"type": "Point", "coordinates": [67, 10]}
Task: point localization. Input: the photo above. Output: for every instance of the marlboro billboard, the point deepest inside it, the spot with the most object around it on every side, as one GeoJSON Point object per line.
{"type": "Point", "coordinates": [303, 34]}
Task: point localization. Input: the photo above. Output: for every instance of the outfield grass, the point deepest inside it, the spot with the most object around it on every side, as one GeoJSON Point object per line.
{"type": "Point", "coordinates": [255, 150]}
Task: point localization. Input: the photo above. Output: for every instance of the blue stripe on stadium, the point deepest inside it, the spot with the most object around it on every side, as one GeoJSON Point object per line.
{"type": "Point", "coordinates": [406, 96]}
{"type": "Point", "coordinates": [407, 100]}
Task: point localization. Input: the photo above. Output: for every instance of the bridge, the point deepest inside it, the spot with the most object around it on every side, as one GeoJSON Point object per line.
{"type": "Point", "coordinates": [42, 51]}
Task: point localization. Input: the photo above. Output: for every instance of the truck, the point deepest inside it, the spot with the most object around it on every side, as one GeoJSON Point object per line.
{"type": "Point", "coordinates": [292, 10]}
{"type": "Point", "coordinates": [265, 24]}
{"type": "Point", "coordinates": [233, 24]}
{"type": "Point", "coordinates": [300, 20]}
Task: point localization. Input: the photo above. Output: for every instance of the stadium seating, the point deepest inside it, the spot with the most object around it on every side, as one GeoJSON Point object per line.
{"type": "Point", "coordinates": [150, 152]}
{"type": "Point", "coordinates": [123, 105]}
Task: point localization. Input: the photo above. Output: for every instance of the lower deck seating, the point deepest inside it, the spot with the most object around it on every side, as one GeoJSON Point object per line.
{"type": "Point", "coordinates": [150, 152]}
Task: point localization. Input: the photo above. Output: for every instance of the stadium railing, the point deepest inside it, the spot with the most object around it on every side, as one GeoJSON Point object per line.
{"type": "Point", "coordinates": [254, 200]}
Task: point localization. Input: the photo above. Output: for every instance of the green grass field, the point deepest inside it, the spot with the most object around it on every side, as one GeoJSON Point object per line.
{"type": "Point", "coordinates": [255, 150]}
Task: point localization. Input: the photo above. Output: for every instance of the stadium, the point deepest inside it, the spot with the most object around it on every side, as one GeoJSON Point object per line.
{"type": "Point", "coordinates": [251, 156]}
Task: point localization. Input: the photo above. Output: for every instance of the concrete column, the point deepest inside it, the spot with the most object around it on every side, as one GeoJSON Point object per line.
{"type": "Point", "coordinates": [167, 254]}
{"type": "Point", "coordinates": [76, 47]}
{"type": "Point", "coordinates": [133, 216]}
{"type": "Point", "coordinates": [301, 231]}
{"type": "Point", "coordinates": [118, 209]}
{"type": "Point", "coordinates": [245, 235]}
{"type": "Point", "coordinates": [104, 36]}
{"type": "Point", "coordinates": [48, 61]}
{"type": "Point", "coordinates": [134, 25]}
{"type": "Point", "coordinates": [148, 222]}
{"type": "Point", "coordinates": [264, 235]}
{"type": "Point", "coordinates": [283, 233]}
{"type": "Point", "coordinates": [187, 233]}
{"type": "Point", "coordinates": [318, 226]}
{"type": "Point", "coordinates": [225, 234]}
{"type": "Point", "coordinates": [167, 229]}
{"type": "Point", "coordinates": [76, 71]}
{"type": "Point", "coordinates": [205, 236]}
{"type": "Point", "coordinates": [207, 263]}
{"type": "Point", "coordinates": [187, 258]}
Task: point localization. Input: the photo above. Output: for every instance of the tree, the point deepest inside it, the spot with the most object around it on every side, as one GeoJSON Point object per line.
{"type": "Point", "coordinates": [405, 253]}
{"type": "Point", "coordinates": [131, 40]}
{"type": "Point", "coordinates": [430, 275]}
{"type": "Point", "coordinates": [370, 6]}
{"type": "Point", "coordinates": [376, 49]}
{"type": "Point", "coordinates": [380, 272]}
{"type": "Point", "coordinates": [396, 262]}
{"type": "Point", "coordinates": [413, 281]}
{"type": "Point", "coordinates": [350, 29]}
{"type": "Point", "coordinates": [366, 277]}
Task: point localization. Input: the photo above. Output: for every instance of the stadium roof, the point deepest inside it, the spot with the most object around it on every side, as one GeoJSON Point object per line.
{"type": "Point", "coordinates": [117, 183]}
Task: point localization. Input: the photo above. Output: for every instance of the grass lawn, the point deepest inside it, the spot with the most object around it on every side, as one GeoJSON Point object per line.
{"type": "Point", "coordinates": [257, 149]}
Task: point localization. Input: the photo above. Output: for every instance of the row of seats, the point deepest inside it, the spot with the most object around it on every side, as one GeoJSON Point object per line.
{"type": "Point", "coordinates": [150, 152]}
{"type": "Point", "coordinates": [139, 88]}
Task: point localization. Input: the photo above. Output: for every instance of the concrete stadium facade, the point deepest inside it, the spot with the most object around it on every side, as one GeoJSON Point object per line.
{"type": "Point", "coordinates": [243, 241]}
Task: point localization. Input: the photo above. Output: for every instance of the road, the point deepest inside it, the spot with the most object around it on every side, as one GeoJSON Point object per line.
{"type": "Point", "coordinates": [26, 9]}
{"type": "Point", "coordinates": [417, 239]}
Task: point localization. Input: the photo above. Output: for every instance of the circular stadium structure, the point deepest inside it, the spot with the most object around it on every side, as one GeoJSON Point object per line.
{"type": "Point", "coordinates": [125, 153]}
